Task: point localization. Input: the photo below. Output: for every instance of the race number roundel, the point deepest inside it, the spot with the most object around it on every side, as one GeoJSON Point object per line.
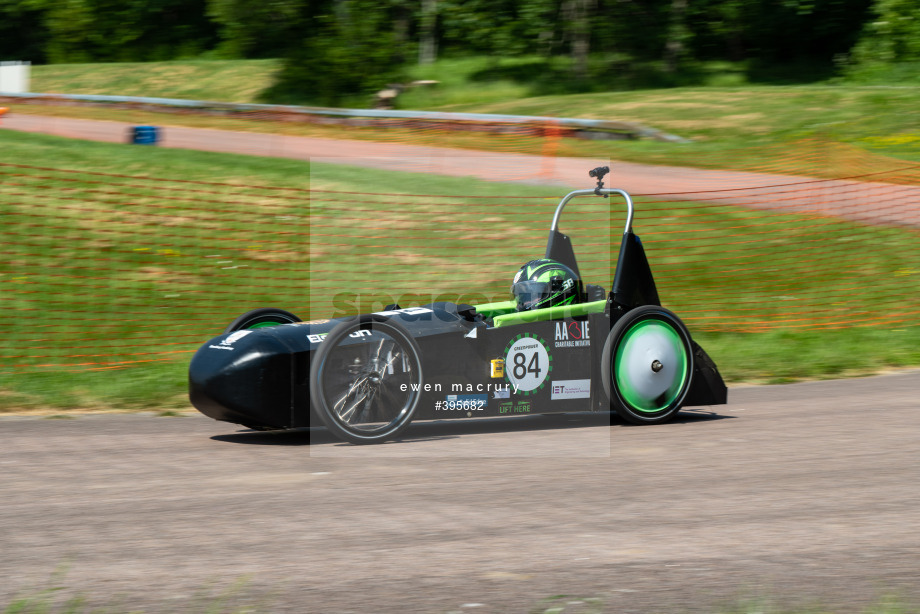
{"type": "Point", "coordinates": [527, 363]}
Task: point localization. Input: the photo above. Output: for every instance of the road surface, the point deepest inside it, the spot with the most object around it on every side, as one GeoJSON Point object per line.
{"type": "Point", "coordinates": [874, 202]}
{"type": "Point", "coordinates": [798, 494]}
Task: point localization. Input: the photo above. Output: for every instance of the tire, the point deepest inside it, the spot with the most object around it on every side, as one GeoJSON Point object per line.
{"type": "Point", "coordinates": [260, 318]}
{"type": "Point", "coordinates": [356, 379]}
{"type": "Point", "coordinates": [647, 365]}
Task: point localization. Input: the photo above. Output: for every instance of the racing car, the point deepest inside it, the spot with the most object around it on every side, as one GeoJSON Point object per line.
{"type": "Point", "coordinates": [559, 346]}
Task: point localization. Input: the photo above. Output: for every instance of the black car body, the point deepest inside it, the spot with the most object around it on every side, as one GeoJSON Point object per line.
{"type": "Point", "coordinates": [367, 377]}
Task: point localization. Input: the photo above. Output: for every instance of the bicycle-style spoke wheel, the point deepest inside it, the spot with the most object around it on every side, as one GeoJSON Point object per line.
{"type": "Point", "coordinates": [365, 379]}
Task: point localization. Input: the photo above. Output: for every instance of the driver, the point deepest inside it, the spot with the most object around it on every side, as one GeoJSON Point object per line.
{"type": "Point", "coordinates": [545, 283]}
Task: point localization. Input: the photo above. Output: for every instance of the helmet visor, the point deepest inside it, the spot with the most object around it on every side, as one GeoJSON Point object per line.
{"type": "Point", "coordinates": [531, 294]}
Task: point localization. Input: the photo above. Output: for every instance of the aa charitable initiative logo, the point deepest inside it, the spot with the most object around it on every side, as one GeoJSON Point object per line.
{"type": "Point", "coordinates": [572, 334]}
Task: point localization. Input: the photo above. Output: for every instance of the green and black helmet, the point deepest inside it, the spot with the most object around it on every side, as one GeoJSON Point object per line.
{"type": "Point", "coordinates": [545, 283]}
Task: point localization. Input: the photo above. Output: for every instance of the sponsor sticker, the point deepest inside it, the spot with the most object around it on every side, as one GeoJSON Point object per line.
{"type": "Point", "coordinates": [510, 407]}
{"type": "Point", "coordinates": [571, 389]}
{"type": "Point", "coordinates": [235, 336]}
{"type": "Point", "coordinates": [468, 398]}
{"type": "Point", "coordinates": [409, 311]}
{"type": "Point", "coordinates": [572, 334]}
{"type": "Point", "coordinates": [227, 343]}
{"type": "Point", "coordinates": [318, 338]}
{"type": "Point", "coordinates": [498, 367]}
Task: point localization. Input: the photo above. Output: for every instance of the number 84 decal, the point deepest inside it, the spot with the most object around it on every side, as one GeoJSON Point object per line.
{"type": "Point", "coordinates": [527, 363]}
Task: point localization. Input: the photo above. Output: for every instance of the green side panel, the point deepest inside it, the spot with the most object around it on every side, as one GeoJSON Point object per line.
{"type": "Point", "coordinates": [550, 313]}
{"type": "Point", "coordinates": [490, 310]}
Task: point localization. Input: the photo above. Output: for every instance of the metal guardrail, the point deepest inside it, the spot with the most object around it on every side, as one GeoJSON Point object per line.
{"type": "Point", "coordinates": [583, 128]}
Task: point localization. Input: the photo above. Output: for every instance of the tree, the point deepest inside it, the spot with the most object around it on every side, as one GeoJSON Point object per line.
{"type": "Point", "coordinates": [578, 29]}
{"type": "Point", "coordinates": [255, 28]}
{"type": "Point", "coordinates": [346, 48]}
{"type": "Point", "coordinates": [23, 33]}
{"type": "Point", "coordinates": [70, 24]}
{"type": "Point", "coordinates": [428, 43]}
{"type": "Point", "coordinates": [676, 46]}
{"type": "Point", "coordinates": [126, 30]}
{"type": "Point", "coordinates": [891, 36]}
{"type": "Point", "coordinates": [499, 27]}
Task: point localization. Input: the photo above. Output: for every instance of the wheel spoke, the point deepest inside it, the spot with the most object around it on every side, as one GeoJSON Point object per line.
{"type": "Point", "coordinates": [391, 360]}
{"type": "Point", "coordinates": [358, 382]}
{"type": "Point", "coordinates": [383, 356]}
{"type": "Point", "coordinates": [347, 414]}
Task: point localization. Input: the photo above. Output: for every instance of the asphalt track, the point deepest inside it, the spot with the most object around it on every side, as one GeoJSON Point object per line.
{"type": "Point", "coordinates": [797, 494]}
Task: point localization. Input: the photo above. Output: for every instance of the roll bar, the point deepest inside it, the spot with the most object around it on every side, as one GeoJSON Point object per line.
{"type": "Point", "coordinates": [599, 192]}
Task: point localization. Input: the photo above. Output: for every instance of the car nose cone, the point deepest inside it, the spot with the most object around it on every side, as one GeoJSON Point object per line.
{"type": "Point", "coordinates": [243, 377]}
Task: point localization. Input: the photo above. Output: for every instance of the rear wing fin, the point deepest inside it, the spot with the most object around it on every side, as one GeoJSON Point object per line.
{"type": "Point", "coordinates": [633, 284]}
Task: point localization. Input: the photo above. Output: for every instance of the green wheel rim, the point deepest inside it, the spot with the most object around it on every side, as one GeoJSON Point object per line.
{"type": "Point", "coordinates": [650, 367]}
{"type": "Point", "coordinates": [264, 325]}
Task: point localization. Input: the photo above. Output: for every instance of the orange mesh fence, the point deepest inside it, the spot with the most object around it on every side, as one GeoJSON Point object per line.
{"type": "Point", "coordinates": [106, 270]}
{"type": "Point", "coordinates": [112, 271]}
{"type": "Point", "coordinates": [821, 157]}
{"type": "Point", "coordinates": [549, 137]}
{"type": "Point", "coordinates": [782, 256]}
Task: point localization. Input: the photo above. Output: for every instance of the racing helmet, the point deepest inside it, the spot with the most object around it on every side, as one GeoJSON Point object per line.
{"type": "Point", "coordinates": [545, 283]}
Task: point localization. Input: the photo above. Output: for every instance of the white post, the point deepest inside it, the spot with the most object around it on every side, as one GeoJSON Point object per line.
{"type": "Point", "coordinates": [14, 77]}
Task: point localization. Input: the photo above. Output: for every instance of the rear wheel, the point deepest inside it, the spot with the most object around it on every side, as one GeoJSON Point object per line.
{"type": "Point", "coordinates": [260, 318]}
{"type": "Point", "coordinates": [647, 365]}
{"type": "Point", "coordinates": [366, 378]}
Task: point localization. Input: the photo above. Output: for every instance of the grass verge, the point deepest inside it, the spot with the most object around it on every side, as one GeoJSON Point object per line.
{"type": "Point", "coordinates": [213, 80]}
{"type": "Point", "coordinates": [734, 124]}
{"type": "Point", "coordinates": [236, 600]}
{"type": "Point", "coordinates": [119, 268]}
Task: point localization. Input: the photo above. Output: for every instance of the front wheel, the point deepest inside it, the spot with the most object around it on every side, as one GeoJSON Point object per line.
{"type": "Point", "coordinates": [366, 378]}
{"type": "Point", "coordinates": [647, 365]}
{"type": "Point", "coordinates": [260, 318]}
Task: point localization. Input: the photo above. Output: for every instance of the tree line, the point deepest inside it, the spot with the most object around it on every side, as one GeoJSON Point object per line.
{"type": "Point", "coordinates": [335, 48]}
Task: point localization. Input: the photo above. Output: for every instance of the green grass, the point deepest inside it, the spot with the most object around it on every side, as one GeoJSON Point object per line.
{"type": "Point", "coordinates": [734, 124]}
{"type": "Point", "coordinates": [214, 80]}
{"type": "Point", "coordinates": [115, 275]}
{"type": "Point", "coordinates": [489, 79]}
{"type": "Point", "coordinates": [61, 599]}
{"type": "Point", "coordinates": [784, 356]}
{"type": "Point", "coordinates": [806, 153]}
{"type": "Point", "coordinates": [723, 116]}
{"type": "Point", "coordinates": [236, 600]}
{"type": "Point", "coordinates": [858, 115]}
